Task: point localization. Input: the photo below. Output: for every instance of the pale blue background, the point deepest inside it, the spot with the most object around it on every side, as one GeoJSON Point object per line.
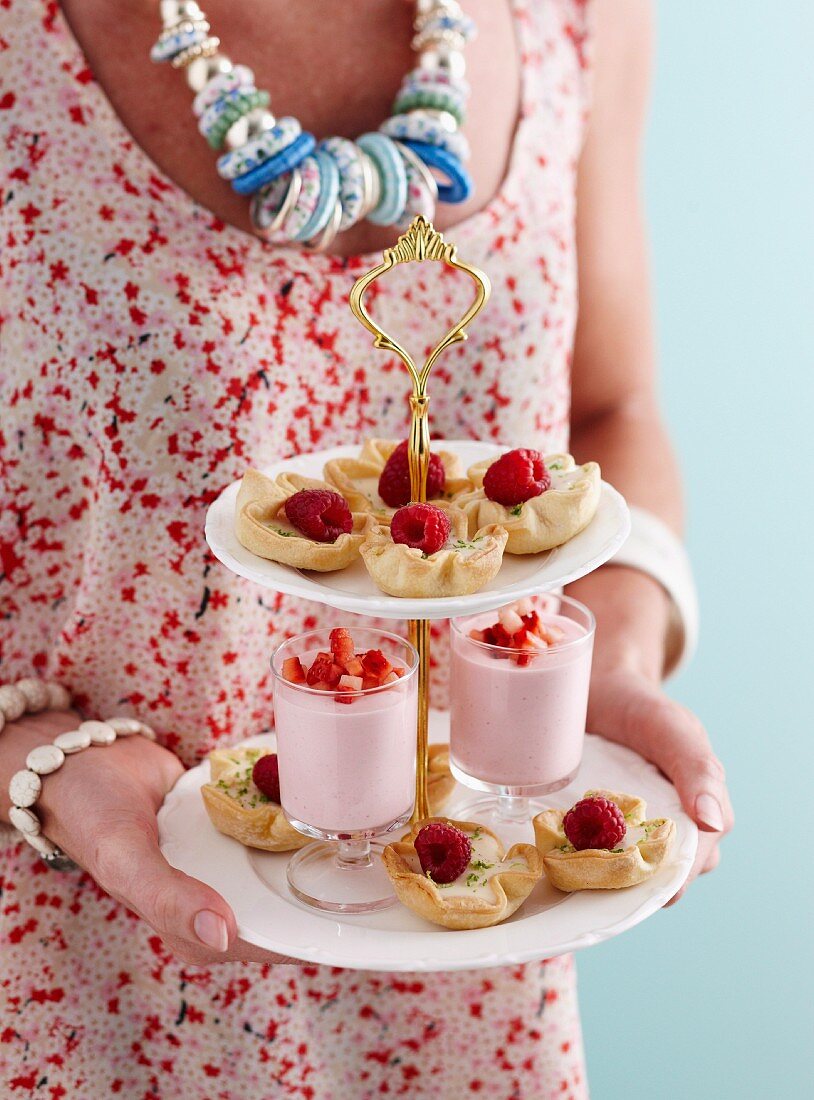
{"type": "Point", "coordinates": [712, 999]}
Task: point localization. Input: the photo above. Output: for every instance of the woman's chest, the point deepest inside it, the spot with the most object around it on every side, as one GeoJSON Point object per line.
{"type": "Point", "coordinates": [336, 67]}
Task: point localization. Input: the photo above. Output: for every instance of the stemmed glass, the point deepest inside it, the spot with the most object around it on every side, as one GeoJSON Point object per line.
{"type": "Point", "coordinates": [347, 772]}
{"type": "Point", "coordinates": [517, 723]}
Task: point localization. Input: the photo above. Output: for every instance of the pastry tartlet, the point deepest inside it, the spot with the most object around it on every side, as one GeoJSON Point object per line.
{"type": "Point", "coordinates": [462, 565]}
{"type": "Point", "coordinates": [544, 521]}
{"type": "Point", "coordinates": [262, 526]}
{"type": "Point", "coordinates": [635, 858]}
{"type": "Point", "coordinates": [494, 884]}
{"type": "Point", "coordinates": [357, 479]}
{"type": "Point", "coordinates": [237, 807]}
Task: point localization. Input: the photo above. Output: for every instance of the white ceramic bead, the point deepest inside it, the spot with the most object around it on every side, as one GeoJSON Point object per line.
{"type": "Point", "coordinates": [59, 698]}
{"type": "Point", "coordinates": [35, 692]}
{"type": "Point", "coordinates": [177, 11]}
{"type": "Point", "coordinates": [45, 759]}
{"type": "Point", "coordinates": [100, 732]}
{"type": "Point", "coordinates": [146, 731]}
{"type": "Point", "coordinates": [41, 843]}
{"type": "Point", "coordinates": [72, 741]}
{"type": "Point", "coordinates": [257, 122]}
{"type": "Point", "coordinates": [200, 71]}
{"type": "Point", "coordinates": [124, 727]}
{"type": "Point", "coordinates": [444, 60]}
{"type": "Point", "coordinates": [12, 702]}
{"type": "Point", "coordinates": [24, 820]}
{"type": "Point", "coordinates": [237, 134]}
{"type": "Point", "coordinates": [25, 788]}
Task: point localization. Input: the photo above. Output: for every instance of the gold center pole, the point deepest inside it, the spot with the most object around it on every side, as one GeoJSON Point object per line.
{"type": "Point", "coordinates": [421, 242]}
{"type": "Point", "coordinates": [420, 637]}
{"type": "Point", "coordinates": [418, 454]}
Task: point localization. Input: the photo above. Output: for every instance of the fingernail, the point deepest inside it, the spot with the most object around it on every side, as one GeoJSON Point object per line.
{"type": "Point", "coordinates": [708, 812]}
{"type": "Point", "coordinates": [211, 930]}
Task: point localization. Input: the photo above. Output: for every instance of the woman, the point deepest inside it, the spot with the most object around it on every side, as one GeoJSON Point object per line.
{"type": "Point", "coordinates": [152, 348]}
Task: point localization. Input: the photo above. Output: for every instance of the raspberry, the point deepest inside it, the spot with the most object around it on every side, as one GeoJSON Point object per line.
{"type": "Point", "coordinates": [594, 823]}
{"type": "Point", "coordinates": [443, 851]}
{"type": "Point", "coordinates": [266, 776]}
{"type": "Point", "coordinates": [516, 476]}
{"type": "Point", "coordinates": [394, 483]}
{"type": "Point", "coordinates": [319, 514]}
{"type": "Point", "coordinates": [422, 526]}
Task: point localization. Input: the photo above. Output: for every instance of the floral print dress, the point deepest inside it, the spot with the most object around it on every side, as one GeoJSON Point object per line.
{"type": "Point", "coordinates": [148, 355]}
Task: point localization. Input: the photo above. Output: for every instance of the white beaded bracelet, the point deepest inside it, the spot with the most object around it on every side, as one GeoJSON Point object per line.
{"type": "Point", "coordinates": [26, 785]}
{"type": "Point", "coordinates": [33, 695]}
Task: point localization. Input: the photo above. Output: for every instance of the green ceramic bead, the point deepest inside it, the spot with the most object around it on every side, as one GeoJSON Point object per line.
{"type": "Point", "coordinates": [241, 106]}
{"type": "Point", "coordinates": [435, 101]}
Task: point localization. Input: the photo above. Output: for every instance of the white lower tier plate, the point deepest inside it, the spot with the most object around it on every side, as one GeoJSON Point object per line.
{"type": "Point", "coordinates": [353, 590]}
{"type": "Point", "coordinates": [549, 923]}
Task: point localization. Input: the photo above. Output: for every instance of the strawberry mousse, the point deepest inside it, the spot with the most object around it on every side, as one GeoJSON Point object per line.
{"type": "Point", "coordinates": [519, 695]}
{"type": "Point", "coordinates": [346, 728]}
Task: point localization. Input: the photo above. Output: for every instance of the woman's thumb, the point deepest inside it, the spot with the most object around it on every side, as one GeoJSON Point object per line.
{"type": "Point", "coordinates": [133, 869]}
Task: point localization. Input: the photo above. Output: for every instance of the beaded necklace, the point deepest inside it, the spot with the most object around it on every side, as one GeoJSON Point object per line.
{"type": "Point", "coordinates": [304, 192]}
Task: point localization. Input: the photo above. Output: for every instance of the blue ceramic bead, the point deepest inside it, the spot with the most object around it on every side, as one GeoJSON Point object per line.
{"type": "Point", "coordinates": [270, 169]}
{"type": "Point", "coordinates": [392, 177]}
{"type": "Point", "coordinates": [459, 186]}
{"type": "Point", "coordinates": [328, 194]}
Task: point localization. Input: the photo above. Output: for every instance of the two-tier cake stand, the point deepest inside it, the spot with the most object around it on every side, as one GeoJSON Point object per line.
{"type": "Point", "coordinates": [254, 882]}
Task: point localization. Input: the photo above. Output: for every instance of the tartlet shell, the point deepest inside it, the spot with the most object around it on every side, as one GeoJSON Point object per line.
{"type": "Point", "coordinates": [265, 826]}
{"type": "Point", "coordinates": [418, 893]}
{"type": "Point", "coordinates": [260, 499]}
{"type": "Point", "coordinates": [343, 473]}
{"type": "Point", "coordinates": [597, 868]}
{"type": "Point", "coordinates": [401, 570]}
{"type": "Point", "coordinates": [545, 521]}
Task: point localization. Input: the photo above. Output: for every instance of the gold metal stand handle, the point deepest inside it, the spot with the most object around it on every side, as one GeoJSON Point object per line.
{"type": "Point", "coordinates": [421, 242]}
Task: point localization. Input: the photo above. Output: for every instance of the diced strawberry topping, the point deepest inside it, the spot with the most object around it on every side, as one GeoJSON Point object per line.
{"type": "Point", "coordinates": [516, 477]}
{"type": "Point", "coordinates": [293, 670]}
{"type": "Point", "coordinates": [266, 776]}
{"type": "Point", "coordinates": [594, 823]}
{"type": "Point", "coordinates": [342, 671]}
{"type": "Point", "coordinates": [422, 526]}
{"type": "Point", "coordinates": [341, 646]}
{"type": "Point", "coordinates": [375, 664]}
{"type": "Point", "coordinates": [319, 514]}
{"type": "Point", "coordinates": [324, 670]}
{"type": "Point", "coordinates": [350, 683]}
{"type": "Point", "coordinates": [525, 632]}
{"type": "Point", "coordinates": [394, 483]}
{"type": "Point", "coordinates": [443, 851]}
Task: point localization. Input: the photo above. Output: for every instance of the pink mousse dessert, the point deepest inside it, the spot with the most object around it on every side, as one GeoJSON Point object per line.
{"type": "Point", "coordinates": [346, 732]}
{"type": "Point", "coordinates": [519, 695]}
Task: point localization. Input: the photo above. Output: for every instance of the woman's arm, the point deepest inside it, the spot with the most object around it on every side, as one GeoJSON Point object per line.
{"type": "Point", "coordinates": [615, 420]}
{"type": "Point", "coordinates": [100, 808]}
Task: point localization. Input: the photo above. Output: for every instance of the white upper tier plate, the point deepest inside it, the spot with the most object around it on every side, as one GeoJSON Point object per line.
{"type": "Point", "coordinates": [548, 923]}
{"type": "Point", "coordinates": [353, 590]}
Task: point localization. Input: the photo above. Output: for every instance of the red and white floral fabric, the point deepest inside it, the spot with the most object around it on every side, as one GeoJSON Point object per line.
{"type": "Point", "coordinates": [148, 355]}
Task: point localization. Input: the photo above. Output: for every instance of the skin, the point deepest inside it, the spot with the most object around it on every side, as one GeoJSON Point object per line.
{"type": "Point", "coordinates": [615, 416]}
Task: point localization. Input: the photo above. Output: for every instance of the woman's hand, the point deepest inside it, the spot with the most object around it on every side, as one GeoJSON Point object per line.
{"type": "Point", "coordinates": [627, 707]}
{"type": "Point", "coordinates": [100, 808]}
{"type": "Point", "coordinates": [627, 704]}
